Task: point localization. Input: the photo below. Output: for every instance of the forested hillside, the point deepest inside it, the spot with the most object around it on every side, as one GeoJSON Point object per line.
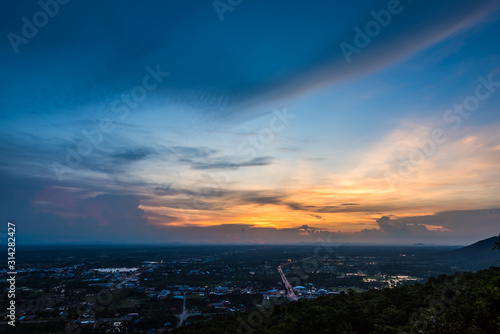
{"type": "Point", "coordinates": [461, 303]}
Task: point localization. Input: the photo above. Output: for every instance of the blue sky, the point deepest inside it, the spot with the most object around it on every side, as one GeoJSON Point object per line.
{"type": "Point", "coordinates": [246, 123]}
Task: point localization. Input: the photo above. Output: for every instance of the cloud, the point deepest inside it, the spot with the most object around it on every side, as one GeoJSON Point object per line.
{"type": "Point", "coordinates": [123, 218]}
{"type": "Point", "coordinates": [223, 164]}
{"type": "Point", "coordinates": [463, 223]}
{"type": "Point", "coordinates": [118, 211]}
{"type": "Point", "coordinates": [262, 200]}
{"type": "Point", "coordinates": [396, 228]}
{"type": "Point", "coordinates": [131, 155]}
{"type": "Point", "coordinates": [232, 73]}
{"type": "Point", "coordinates": [448, 227]}
{"type": "Point", "coordinates": [40, 218]}
{"type": "Point", "coordinates": [140, 175]}
{"type": "Point", "coordinates": [186, 152]}
{"type": "Point", "coordinates": [428, 27]}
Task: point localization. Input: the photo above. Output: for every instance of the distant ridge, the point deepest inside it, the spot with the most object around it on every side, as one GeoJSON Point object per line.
{"type": "Point", "coordinates": [479, 255]}
{"type": "Point", "coordinates": [482, 245]}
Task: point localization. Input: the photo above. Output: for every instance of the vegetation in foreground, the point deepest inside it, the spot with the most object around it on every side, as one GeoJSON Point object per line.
{"type": "Point", "coordinates": [461, 303]}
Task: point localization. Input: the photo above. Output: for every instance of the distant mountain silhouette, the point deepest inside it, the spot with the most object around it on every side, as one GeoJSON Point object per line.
{"type": "Point", "coordinates": [480, 246]}
{"type": "Point", "coordinates": [479, 255]}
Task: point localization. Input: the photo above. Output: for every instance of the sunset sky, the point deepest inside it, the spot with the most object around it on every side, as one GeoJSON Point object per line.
{"type": "Point", "coordinates": [250, 121]}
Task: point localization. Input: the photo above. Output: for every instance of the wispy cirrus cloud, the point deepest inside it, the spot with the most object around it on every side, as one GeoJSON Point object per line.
{"type": "Point", "coordinates": [176, 169]}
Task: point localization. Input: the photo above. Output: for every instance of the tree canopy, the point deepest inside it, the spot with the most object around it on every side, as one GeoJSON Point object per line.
{"type": "Point", "coordinates": [461, 303]}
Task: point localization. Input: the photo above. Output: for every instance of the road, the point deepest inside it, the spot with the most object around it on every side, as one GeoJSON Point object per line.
{"type": "Point", "coordinates": [184, 315]}
{"type": "Point", "coordinates": [289, 290]}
